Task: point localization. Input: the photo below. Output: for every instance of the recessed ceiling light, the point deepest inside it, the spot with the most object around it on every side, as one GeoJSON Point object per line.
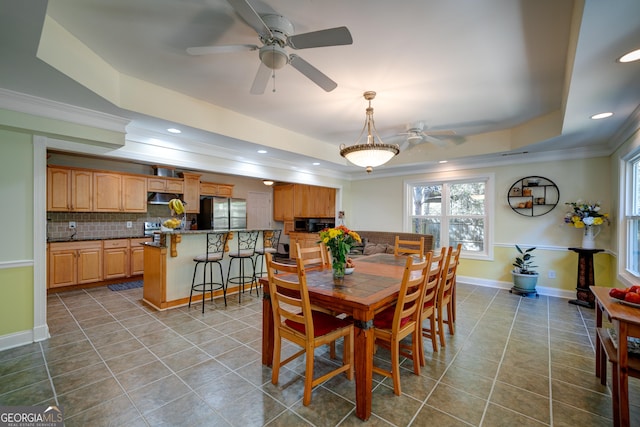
{"type": "Point", "coordinates": [601, 116]}
{"type": "Point", "coordinates": [443, 161]}
{"type": "Point", "coordinates": [316, 163]}
{"type": "Point", "coordinates": [634, 55]}
{"type": "Point", "coordinates": [262, 151]}
{"type": "Point", "coordinates": [174, 130]}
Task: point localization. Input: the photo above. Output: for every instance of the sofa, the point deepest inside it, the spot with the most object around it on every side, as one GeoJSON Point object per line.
{"type": "Point", "coordinates": [384, 241]}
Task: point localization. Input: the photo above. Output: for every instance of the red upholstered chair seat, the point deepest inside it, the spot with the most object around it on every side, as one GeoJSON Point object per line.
{"type": "Point", "coordinates": [384, 319]}
{"type": "Point", "coordinates": [323, 323]}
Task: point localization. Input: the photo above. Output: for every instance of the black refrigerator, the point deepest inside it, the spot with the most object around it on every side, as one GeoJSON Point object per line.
{"type": "Point", "coordinates": [222, 213]}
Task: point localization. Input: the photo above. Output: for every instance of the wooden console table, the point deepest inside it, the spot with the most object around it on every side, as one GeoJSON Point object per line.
{"type": "Point", "coordinates": [585, 297]}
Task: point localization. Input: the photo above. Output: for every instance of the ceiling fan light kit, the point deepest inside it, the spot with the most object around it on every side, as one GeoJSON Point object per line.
{"type": "Point", "coordinates": [370, 154]}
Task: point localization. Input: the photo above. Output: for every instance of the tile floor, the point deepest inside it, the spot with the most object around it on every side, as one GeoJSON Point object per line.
{"type": "Point", "coordinates": [112, 361]}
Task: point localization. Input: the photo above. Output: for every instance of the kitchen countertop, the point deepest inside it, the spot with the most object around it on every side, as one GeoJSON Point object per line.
{"type": "Point", "coordinates": [89, 239]}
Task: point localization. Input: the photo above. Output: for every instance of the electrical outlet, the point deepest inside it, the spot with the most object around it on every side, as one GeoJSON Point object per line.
{"type": "Point", "coordinates": [551, 274]}
{"type": "Point", "coordinates": [72, 224]}
{"type": "Point", "coordinates": [129, 224]}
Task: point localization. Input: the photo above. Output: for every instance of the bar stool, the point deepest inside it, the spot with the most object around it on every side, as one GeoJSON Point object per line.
{"type": "Point", "coordinates": [216, 243]}
{"type": "Point", "coordinates": [270, 241]}
{"type": "Point", "coordinates": [244, 252]}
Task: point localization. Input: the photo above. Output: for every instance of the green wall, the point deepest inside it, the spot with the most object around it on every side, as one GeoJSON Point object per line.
{"type": "Point", "coordinates": [16, 217]}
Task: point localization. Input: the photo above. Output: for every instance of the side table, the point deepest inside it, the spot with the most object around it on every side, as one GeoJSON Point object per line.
{"type": "Point", "coordinates": [585, 297]}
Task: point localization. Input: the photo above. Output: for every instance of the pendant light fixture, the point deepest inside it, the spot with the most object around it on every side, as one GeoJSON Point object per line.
{"type": "Point", "coordinates": [369, 154]}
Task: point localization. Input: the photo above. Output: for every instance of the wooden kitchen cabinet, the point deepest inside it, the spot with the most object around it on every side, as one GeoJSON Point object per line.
{"type": "Point", "coordinates": [165, 185]}
{"type": "Point", "coordinates": [114, 192]}
{"type": "Point", "coordinates": [213, 189]}
{"type": "Point", "coordinates": [136, 255]}
{"type": "Point", "coordinates": [74, 263]}
{"type": "Point", "coordinates": [191, 194]}
{"type": "Point", "coordinates": [115, 256]}
{"type": "Point", "coordinates": [69, 190]}
{"type": "Point", "coordinates": [306, 240]}
{"type": "Point", "coordinates": [303, 201]}
{"type": "Point", "coordinates": [283, 202]}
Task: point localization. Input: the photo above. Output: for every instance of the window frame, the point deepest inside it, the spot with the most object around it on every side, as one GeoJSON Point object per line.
{"type": "Point", "coordinates": [628, 221]}
{"type": "Point", "coordinates": [457, 178]}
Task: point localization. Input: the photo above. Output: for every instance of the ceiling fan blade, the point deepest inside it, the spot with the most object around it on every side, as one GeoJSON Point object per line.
{"type": "Point", "coordinates": [248, 13]}
{"type": "Point", "coordinates": [435, 141]}
{"type": "Point", "coordinates": [312, 73]}
{"type": "Point", "coordinates": [440, 132]}
{"type": "Point", "coordinates": [261, 80]}
{"type": "Point", "coordinates": [206, 50]}
{"type": "Point", "coordinates": [329, 37]}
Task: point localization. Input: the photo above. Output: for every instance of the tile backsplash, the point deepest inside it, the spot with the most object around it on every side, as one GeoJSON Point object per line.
{"type": "Point", "coordinates": [97, 225]}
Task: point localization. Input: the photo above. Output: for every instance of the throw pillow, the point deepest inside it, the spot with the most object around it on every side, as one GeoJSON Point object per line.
{"type": "Point", "coordinates": [374, 248]}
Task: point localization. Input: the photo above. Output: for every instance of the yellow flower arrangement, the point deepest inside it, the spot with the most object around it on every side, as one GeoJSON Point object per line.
{"type": "Point", "coordinates": [585, 214]}
{"type": "Point", "coordinates": [339, 241]}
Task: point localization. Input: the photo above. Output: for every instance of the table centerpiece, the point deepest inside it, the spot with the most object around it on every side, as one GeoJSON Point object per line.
{"type": "Point", "coordinates": [339, 241]}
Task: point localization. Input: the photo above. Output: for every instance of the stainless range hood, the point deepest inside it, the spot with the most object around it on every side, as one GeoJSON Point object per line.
{"type": "Point", "coordinates": [163, 198]}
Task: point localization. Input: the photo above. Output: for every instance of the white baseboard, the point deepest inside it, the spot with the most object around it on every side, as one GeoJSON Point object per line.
{"type": "Point", "coordinates": [24, 337]}
{"type": "Point", "coordinates": [542, 290]}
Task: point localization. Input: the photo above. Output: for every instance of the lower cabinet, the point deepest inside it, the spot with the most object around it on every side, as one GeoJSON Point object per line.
{"type": "Point", "coordinates": [136, 255]}
{"type": "Point", "coordinates": [306, 240]}
{"type": "Point", "coordinates": [116, 258]}
{"type": "Point", "coordinates": [74, 263]}
{"type": "Point", "coordinates": [77, 263]}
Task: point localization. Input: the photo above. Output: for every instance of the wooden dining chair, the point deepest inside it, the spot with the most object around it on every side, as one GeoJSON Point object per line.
{"type": "Point", "coordinates": [609, 351]}
{"type": "Point", "coordinates": [295, 321]}
{"type": "Point", "coordinates": [404, 247]}
{"type": "Point", "coordinates": [456, 258]}
{"type": "Point", "coordinates": [397, 322]}
{"type": "Point", "coordinates": [429, 303]}
{"type": "Point", "coordinates": [315, 256]}
{"type": "Point", "coordinates": [444, 301]}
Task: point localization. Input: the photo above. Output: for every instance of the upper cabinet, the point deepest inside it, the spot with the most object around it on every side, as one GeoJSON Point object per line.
{"type": "Point", "coordinates": [191, 194]}
{"type": "Point", "coordinates": [69, 190]}
{"type": "Point", "coordinates": [303, 201]}
{"type": "Point", "coordinates": [283, 202]}
{"type": "Point", "coordinates": [165, 185]}
{"type": "Point", "coordinates": [72, 189]}
{"type": "Point", "coordinates": [213, 189]}
{"type": "Point", "coordinates": [116, 192]}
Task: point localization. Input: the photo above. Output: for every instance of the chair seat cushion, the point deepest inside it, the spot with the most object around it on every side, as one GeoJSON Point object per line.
{"type": "Point", "coordinates": [323, 323]}
{"type": "Point", "coordinates": [266, 251]}
{"type": "Point", "coordinates": [242, 253]}
{"type": "Point", "coordinates": [384, 319]}
{"type": "Point", "coordinates": [211, 258]}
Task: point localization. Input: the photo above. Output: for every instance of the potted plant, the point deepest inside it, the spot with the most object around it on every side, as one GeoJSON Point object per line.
{"type": "Point", "coordinates": [524, 277]}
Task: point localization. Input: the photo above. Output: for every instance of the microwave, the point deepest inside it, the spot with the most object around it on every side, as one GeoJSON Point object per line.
{"type": "Point", "coordinates": [312, 225]}
{"type": "Point", "coordinates": [301, 224]}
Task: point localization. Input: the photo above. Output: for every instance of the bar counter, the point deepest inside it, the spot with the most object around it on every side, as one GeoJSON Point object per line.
{"type": "Point", "coordinates": [168, 266]}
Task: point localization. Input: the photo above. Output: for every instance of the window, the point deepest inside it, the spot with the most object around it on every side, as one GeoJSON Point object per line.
{"type": "Point", "coordinates": [632, 217]}
{"type": "Point", "coordinates": [453, 211]}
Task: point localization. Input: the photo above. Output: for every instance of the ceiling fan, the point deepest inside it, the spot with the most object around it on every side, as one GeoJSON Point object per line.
{"type": "Point", "coordinates": [417, 133]}
{"type": "Point", "coordinates": [275, 33]}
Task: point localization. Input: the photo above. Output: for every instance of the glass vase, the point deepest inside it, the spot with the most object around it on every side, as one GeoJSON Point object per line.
{"type": "Point", "coordinates": [338, 271]}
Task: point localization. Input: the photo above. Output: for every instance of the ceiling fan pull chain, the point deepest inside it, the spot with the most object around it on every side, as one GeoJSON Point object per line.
{"type": "Point", "coordinates": [273, 76]}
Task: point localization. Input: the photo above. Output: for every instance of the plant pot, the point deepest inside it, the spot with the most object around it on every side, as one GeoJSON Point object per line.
{"type": "Point", "coordinates": [525, 282]}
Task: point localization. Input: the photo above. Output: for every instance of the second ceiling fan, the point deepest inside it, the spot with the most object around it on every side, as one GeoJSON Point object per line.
{"type": "Point", "coordinates": [275, 33]}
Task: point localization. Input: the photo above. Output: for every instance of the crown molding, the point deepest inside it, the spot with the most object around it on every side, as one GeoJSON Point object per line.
{"type": "Point", "coordinates": [41, 107]}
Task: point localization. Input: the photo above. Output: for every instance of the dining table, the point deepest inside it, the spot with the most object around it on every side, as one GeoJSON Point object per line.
{"type": "Point", "coordinates": [373, 286]}
{"type": "Point", "coordinates": [625, 319]}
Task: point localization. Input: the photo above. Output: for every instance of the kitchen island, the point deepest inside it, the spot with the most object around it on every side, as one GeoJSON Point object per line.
{"type": "Point", "coordinates": [168, 266]}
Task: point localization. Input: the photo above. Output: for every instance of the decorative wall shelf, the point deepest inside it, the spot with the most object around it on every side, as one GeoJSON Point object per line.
{"type": "Point", "coordinates": [533, 196]}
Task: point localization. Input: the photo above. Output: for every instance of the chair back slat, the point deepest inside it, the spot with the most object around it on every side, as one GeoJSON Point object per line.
{"type": "Point", "coordinates": [314, 257]}
{"type": "Point", "coordinates": [403, 247]}
{"type": "Point", "coordinates": [216, 243]}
